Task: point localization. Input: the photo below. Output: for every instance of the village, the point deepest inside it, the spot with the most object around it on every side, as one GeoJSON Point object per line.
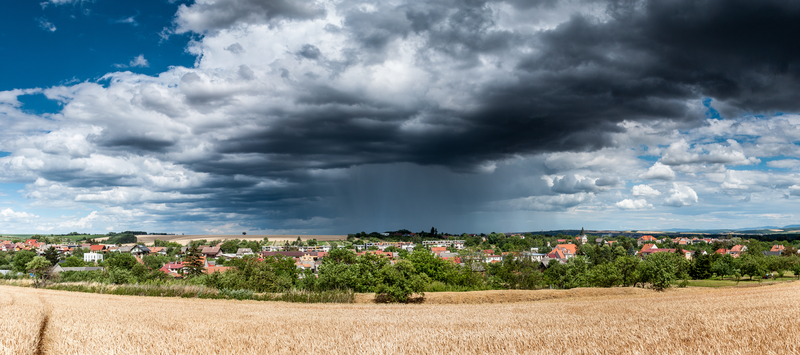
{"type": "Point", "coordinates": [310, 257]}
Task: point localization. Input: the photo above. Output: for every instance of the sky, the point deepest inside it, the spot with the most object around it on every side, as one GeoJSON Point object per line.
{"type": "Point", "coordinates": [334, 117]}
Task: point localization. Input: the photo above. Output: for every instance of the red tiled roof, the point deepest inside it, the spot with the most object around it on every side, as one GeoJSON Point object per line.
{"type": "Point", "coordinates": [97, 247]}
{"type": "Point", "coordinates": [647, 247]}
{"type": "Point", "coordinates": [213, 269]}
{"type": "Point", "coordinates": [567, 248]}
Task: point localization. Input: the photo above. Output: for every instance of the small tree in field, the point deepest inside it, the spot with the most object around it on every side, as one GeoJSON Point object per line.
{"type": "Point", "coordinates": [38, 267]}
{"type": "Point", "coordinates": [397, 282]}
{"type": "Point", "coordinates": [660, 270]}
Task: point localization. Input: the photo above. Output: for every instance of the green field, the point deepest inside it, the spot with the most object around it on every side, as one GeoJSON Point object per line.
{"type": "Point", "coordinates": [29, 236]}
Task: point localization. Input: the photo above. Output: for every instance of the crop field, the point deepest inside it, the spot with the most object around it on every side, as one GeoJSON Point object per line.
{"type": "Point", "coordinates": [185, 239]}
{"type": "Point", "coordinates": [751, 320]}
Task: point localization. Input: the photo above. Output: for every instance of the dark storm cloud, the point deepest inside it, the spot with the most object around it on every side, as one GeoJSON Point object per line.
{"type": "Point", "coordinates": [298, 126]}
{"type": "Point", "coordinates": [128, 142]}
{"type": "Point", "coordinates": [222, 14]}
{"type": "Point", "coordinates": [646, 61]}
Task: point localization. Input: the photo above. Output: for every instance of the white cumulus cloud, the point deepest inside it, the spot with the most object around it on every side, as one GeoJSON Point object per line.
{"type": "Point", "coordinates": [10, 214]}
{"type": "Point", "coordinates": [659, 172]}
{"type": "Point", "coordinates": [138, 61]}
{"type": "Point", "coordinates": [645, 190]}
{"type": "Point", "coordinates": [638, 204]}
{"type": "Point", "coordinates": [681, 195]}
{"type": "Point", "coordinates": [46, 25]}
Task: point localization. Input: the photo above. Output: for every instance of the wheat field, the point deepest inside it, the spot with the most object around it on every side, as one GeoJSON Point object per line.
{"type": "Point", "coordinates": [755, 320]}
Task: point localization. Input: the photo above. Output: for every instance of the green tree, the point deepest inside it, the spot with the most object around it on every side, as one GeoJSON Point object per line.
{"type": "Point", "coordinates": [120, 276]}
{"type": "Point", "coordinates": [51, 254]}
{"type": "Point", "coordinates": [230, 246]}
{"type": "Point", "coordinates": [723, 266]}
{"type": "Point", "coordinates": [752, 266]}
{"type": "Point", "coordinates": [155, 262]}
{"type": "Point", "coordinates": [556, 274]}
{"type": "Point", "coordinates": [604, 275]}
{"type": "Point", "coordinates": [122, 261]}
{"type": "Point", "coordinates": [192, 262]}
{"type": "Point", "coordinates": [627, 269]}
{"type": "Point", "coordinates": [38, 267]}
{"type": "Point", "coordinates": [796, 269]}
{"type": "Point", "coordinates": [78, 252]}
{"type": "Point", "coordinates": [73, 261]}
{"type": "Point", "coordinates": [700, 268]}
{"type": "Point", "coordinates": [397, 282]}
{"type": "Point", "coordinates": [22, 258]}
{"type": "Point", "coordinates": [660, 269]}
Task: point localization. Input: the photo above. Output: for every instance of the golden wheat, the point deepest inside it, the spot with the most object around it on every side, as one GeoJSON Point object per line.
{"type": "Point", "coordinates": [22, 317]}
{"type": "Point", "coordinates": [757, 320]}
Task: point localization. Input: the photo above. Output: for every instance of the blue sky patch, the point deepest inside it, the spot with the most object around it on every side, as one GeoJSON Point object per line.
{"type": "Point", "coordinates": [39, 104]}
{"type": "Point", "coordinates": [85, 40]}
{"type": "Point", "coordinates": [711, 112]}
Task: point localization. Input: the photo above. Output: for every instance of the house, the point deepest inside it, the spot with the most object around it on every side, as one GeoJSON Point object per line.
{"type": "Point", "coordinates": [562, 252]}
{"type": "Point", "coordinates": [172, 269]}
{"type": "Point", "coordinates": [647, 247]}
{"type": "Point", "coordinates": [140, 250]}
{"type": "Point", "coordinates": [568, 250]}
{"type": "Point", "coordinates": [438, 250]}
{"type": "Point", "coordinates": [244, 251]}
{"type": "Point", "coordinates": [556, 254]}
{"type": "Point", "coordinates": [211, 252]}
{"type": "Point", "coordinates": [777, 250]}
{"type": "Point", "coordinates": [454, 257]}
{"type": "Point", "coordinates": [737, 250]}
{"type": "Point", "coordinates": [646, 239]}
{"type": "Point", "coordinates": [158, 250]}
{"type": "Point", "coordinates": [493, 258]}
{"type": "Point", "coordinates": [290, 254]}
{"type": "Point", "coordinates": [124, 249]}
{"type": "Point", "coordinates": [722, 251]}
{"type": "Point", "coordinates": [533, 256]}
{"type": "Point", "coordinates": [97, 248]}
{"type": "Point", "coordinates": [458, 244]}
{"type": "Point", "coordinates": [93, 257]}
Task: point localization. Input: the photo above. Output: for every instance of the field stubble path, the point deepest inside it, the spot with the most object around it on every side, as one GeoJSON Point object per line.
{"type": "Point", "coordinates": [757, 320]}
